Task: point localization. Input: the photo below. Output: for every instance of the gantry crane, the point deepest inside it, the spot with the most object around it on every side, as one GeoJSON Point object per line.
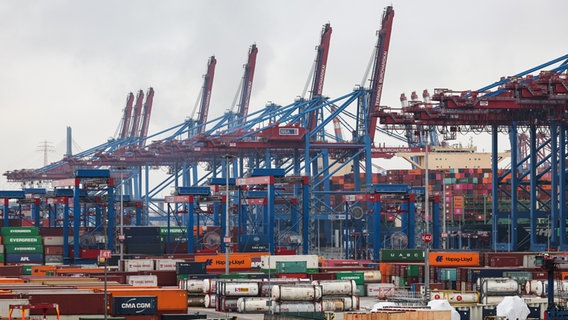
{"type": "Point", "coordinates": [245, 89]}
{"type": "Point", "coordinates": [522, 101]}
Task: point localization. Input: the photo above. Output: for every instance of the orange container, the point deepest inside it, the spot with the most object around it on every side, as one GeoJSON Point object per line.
{"type": "Point", "coordinates": [454, 259]}
{"type": "Point", "coordinates": [69, 271]}
{"type": "Point", "coordinates": [169, 299]}
{"type": "Point", "coordinates": [43, 270]}
{"type": "Point", "coordinates": [237, 260]}
{"type": "Point", "coordinates": [11, 280]}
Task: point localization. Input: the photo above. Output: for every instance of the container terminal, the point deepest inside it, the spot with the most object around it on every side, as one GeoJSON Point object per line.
{"type": "Point", "coordinates": [282, 211]}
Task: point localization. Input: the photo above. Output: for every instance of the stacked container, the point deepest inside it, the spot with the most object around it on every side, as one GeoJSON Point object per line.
{"type": "Point", "coordinates": [22, 245]}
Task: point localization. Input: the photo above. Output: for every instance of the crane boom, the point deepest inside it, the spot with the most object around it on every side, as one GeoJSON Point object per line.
{"type": "Point", "coordinates": [206, 94]}
{"type": "Point", "coordinates": [136, 116]}
{"type": "Point", "coordinates": [146, 113]}
{"type": "Point", "coordinates": [242, 110]}
{"type": "Point", "coordinates": [127, 115]}
{"type": "Point", "coordinates": [379, 68]}
{"type": "Point", "coordinates": [319, 71]}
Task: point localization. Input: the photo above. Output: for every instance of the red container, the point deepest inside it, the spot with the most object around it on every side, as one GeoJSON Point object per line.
{"type": "Point", "coordinates": [70, 303]}
{"type": "Point", "coordinates": [322, 276]}
{"type": "Point", "coordinates": [11, 270]}
{"type": "Point", "coordinates": [53, 250]}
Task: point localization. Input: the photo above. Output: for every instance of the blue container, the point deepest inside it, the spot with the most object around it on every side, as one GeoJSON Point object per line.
{"type": "Point", "coordinates": [24, 258]}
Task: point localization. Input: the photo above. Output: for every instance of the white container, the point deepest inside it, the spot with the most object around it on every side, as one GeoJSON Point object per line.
{"type": "Point", "coordinates": [191, 285]}
{"type": "Point", "coordinates": [293, 306]}
{"type": "Point", "coordinates": [249, 289]}
{"type": "Point", "coordinates": [269, 262]}
{"type": "Point", "coordinates": [167, 264]}
{"type": "Point", "coordinates": [372, 276]}
{"type": "Point", "coordinates": [210, 300]}
{"type": "Point", "coordinates": [142, 280]}
{"type": "Point", "coordinates": [529, 261]}
{"type": "Point", "coordinates": [253, 304]}
{"type": "Point", "coordinates": [54, 240]}
{"type": "Point", "coordinates": [458, 297]}
{"type": "Point", "coordinates": [131, 265]}
{"type": "Point", "coordinates": [380, 290]}
{"type": "Point", "coordinates": [296, 293]}
{"type": "Point", "coordinates": [337, 287]}
{"type": "Point", "coordinates": [499, 287]}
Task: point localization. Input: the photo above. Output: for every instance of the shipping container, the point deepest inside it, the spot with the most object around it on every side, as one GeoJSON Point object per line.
{"type": "Point", "coordinates": [136, 305]}
{"type": "Point", "coordinates": [358, 277]}
{"type": "Point", "coordinates": [398, 255]}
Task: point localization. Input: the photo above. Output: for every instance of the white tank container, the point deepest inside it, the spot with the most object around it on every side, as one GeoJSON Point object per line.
{"type": "Point", "coordinates": [253, 304]}
{"type": "Point", "coordinates": [226, 304]}
{"type": "Point", "coordinates": [458, 297]}
{"type": "Point", "coordinates": [541, 287]}
{"type": "Point", "coordinates": [210, 300]}
{"type": "Point", "coordinates": [249, 289]}
{"type": "Point", "coordinates": [266, 286]}
{"type": "Point", "coordinates": [337, 287]}
{"type": "Point", "coordinates": [296, 293]}
{"type": "Point", "coordinates": [372, 276]}
{"type": "Point", "coordinates": [293, 306]}
{"type": "Point", "coordinates": [209, 285]}
{"type": "Point", "coordinates": [338, 304]}
{"type": "Point", "coordinates": [499, 287]}
{"type": "Point", "coordinates": [191, 285]}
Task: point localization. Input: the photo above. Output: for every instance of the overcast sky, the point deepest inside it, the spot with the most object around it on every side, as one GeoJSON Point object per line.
{"type": "Point", "coordinates": [72, 63]}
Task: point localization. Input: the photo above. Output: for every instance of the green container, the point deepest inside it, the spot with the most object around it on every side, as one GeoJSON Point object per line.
{"type": "Point", "coordinates": [448, 274]}
{"type": "Point", "coordinates": [19, 240]}
{"type": "Point", "coordinates": [2, 258]}
{"type": "Point", "coordinates": [519, 276]}
{"type": "Point", "coordinates": [359, 277]}
{"type": "Point", "coordinates": [20, 231]}
{"type": "Point", "coordinates": [413, 270]}
{"type": "Point", "coordinates": [397, 255]}
{"type": "Point", "coordinates": [19, 248]}
{"type": "Point", "coordinates": [361, 290]}
{"type": "Point", "coordinates": [27, 271]}
{"type": "Point", "coordinates": [291, 266]}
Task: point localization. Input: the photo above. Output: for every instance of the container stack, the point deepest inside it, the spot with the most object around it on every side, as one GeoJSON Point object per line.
{"type": "Point", "coordinates": [297, 298]}
{"type": "Point", "coordinates": [339, 295]}
{"type": "Point", "coordinates": [190, 275]}
{"type": "Point", "coordinates": [175, 241]}
{"type": "Point", "coordinates": [228, 293]}
{"type": "Point", "coordinates": [53, 249]}
{"type": "Point", "coordinates": [22, 245]}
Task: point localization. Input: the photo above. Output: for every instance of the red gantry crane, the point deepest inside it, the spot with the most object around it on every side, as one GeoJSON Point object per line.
{"type": "Point", "coordinates": [127, 116]}
{"type": "Point", "coordinates": [146, 112]}
{"type": "Point", "coordinates": [243, 106]}
{"type": "Point", "coordinates": [206, 95]}
{"type": "Point", "coordinates": [378, 77]}
{"type": "Point", "coordinates": [319, 72]}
